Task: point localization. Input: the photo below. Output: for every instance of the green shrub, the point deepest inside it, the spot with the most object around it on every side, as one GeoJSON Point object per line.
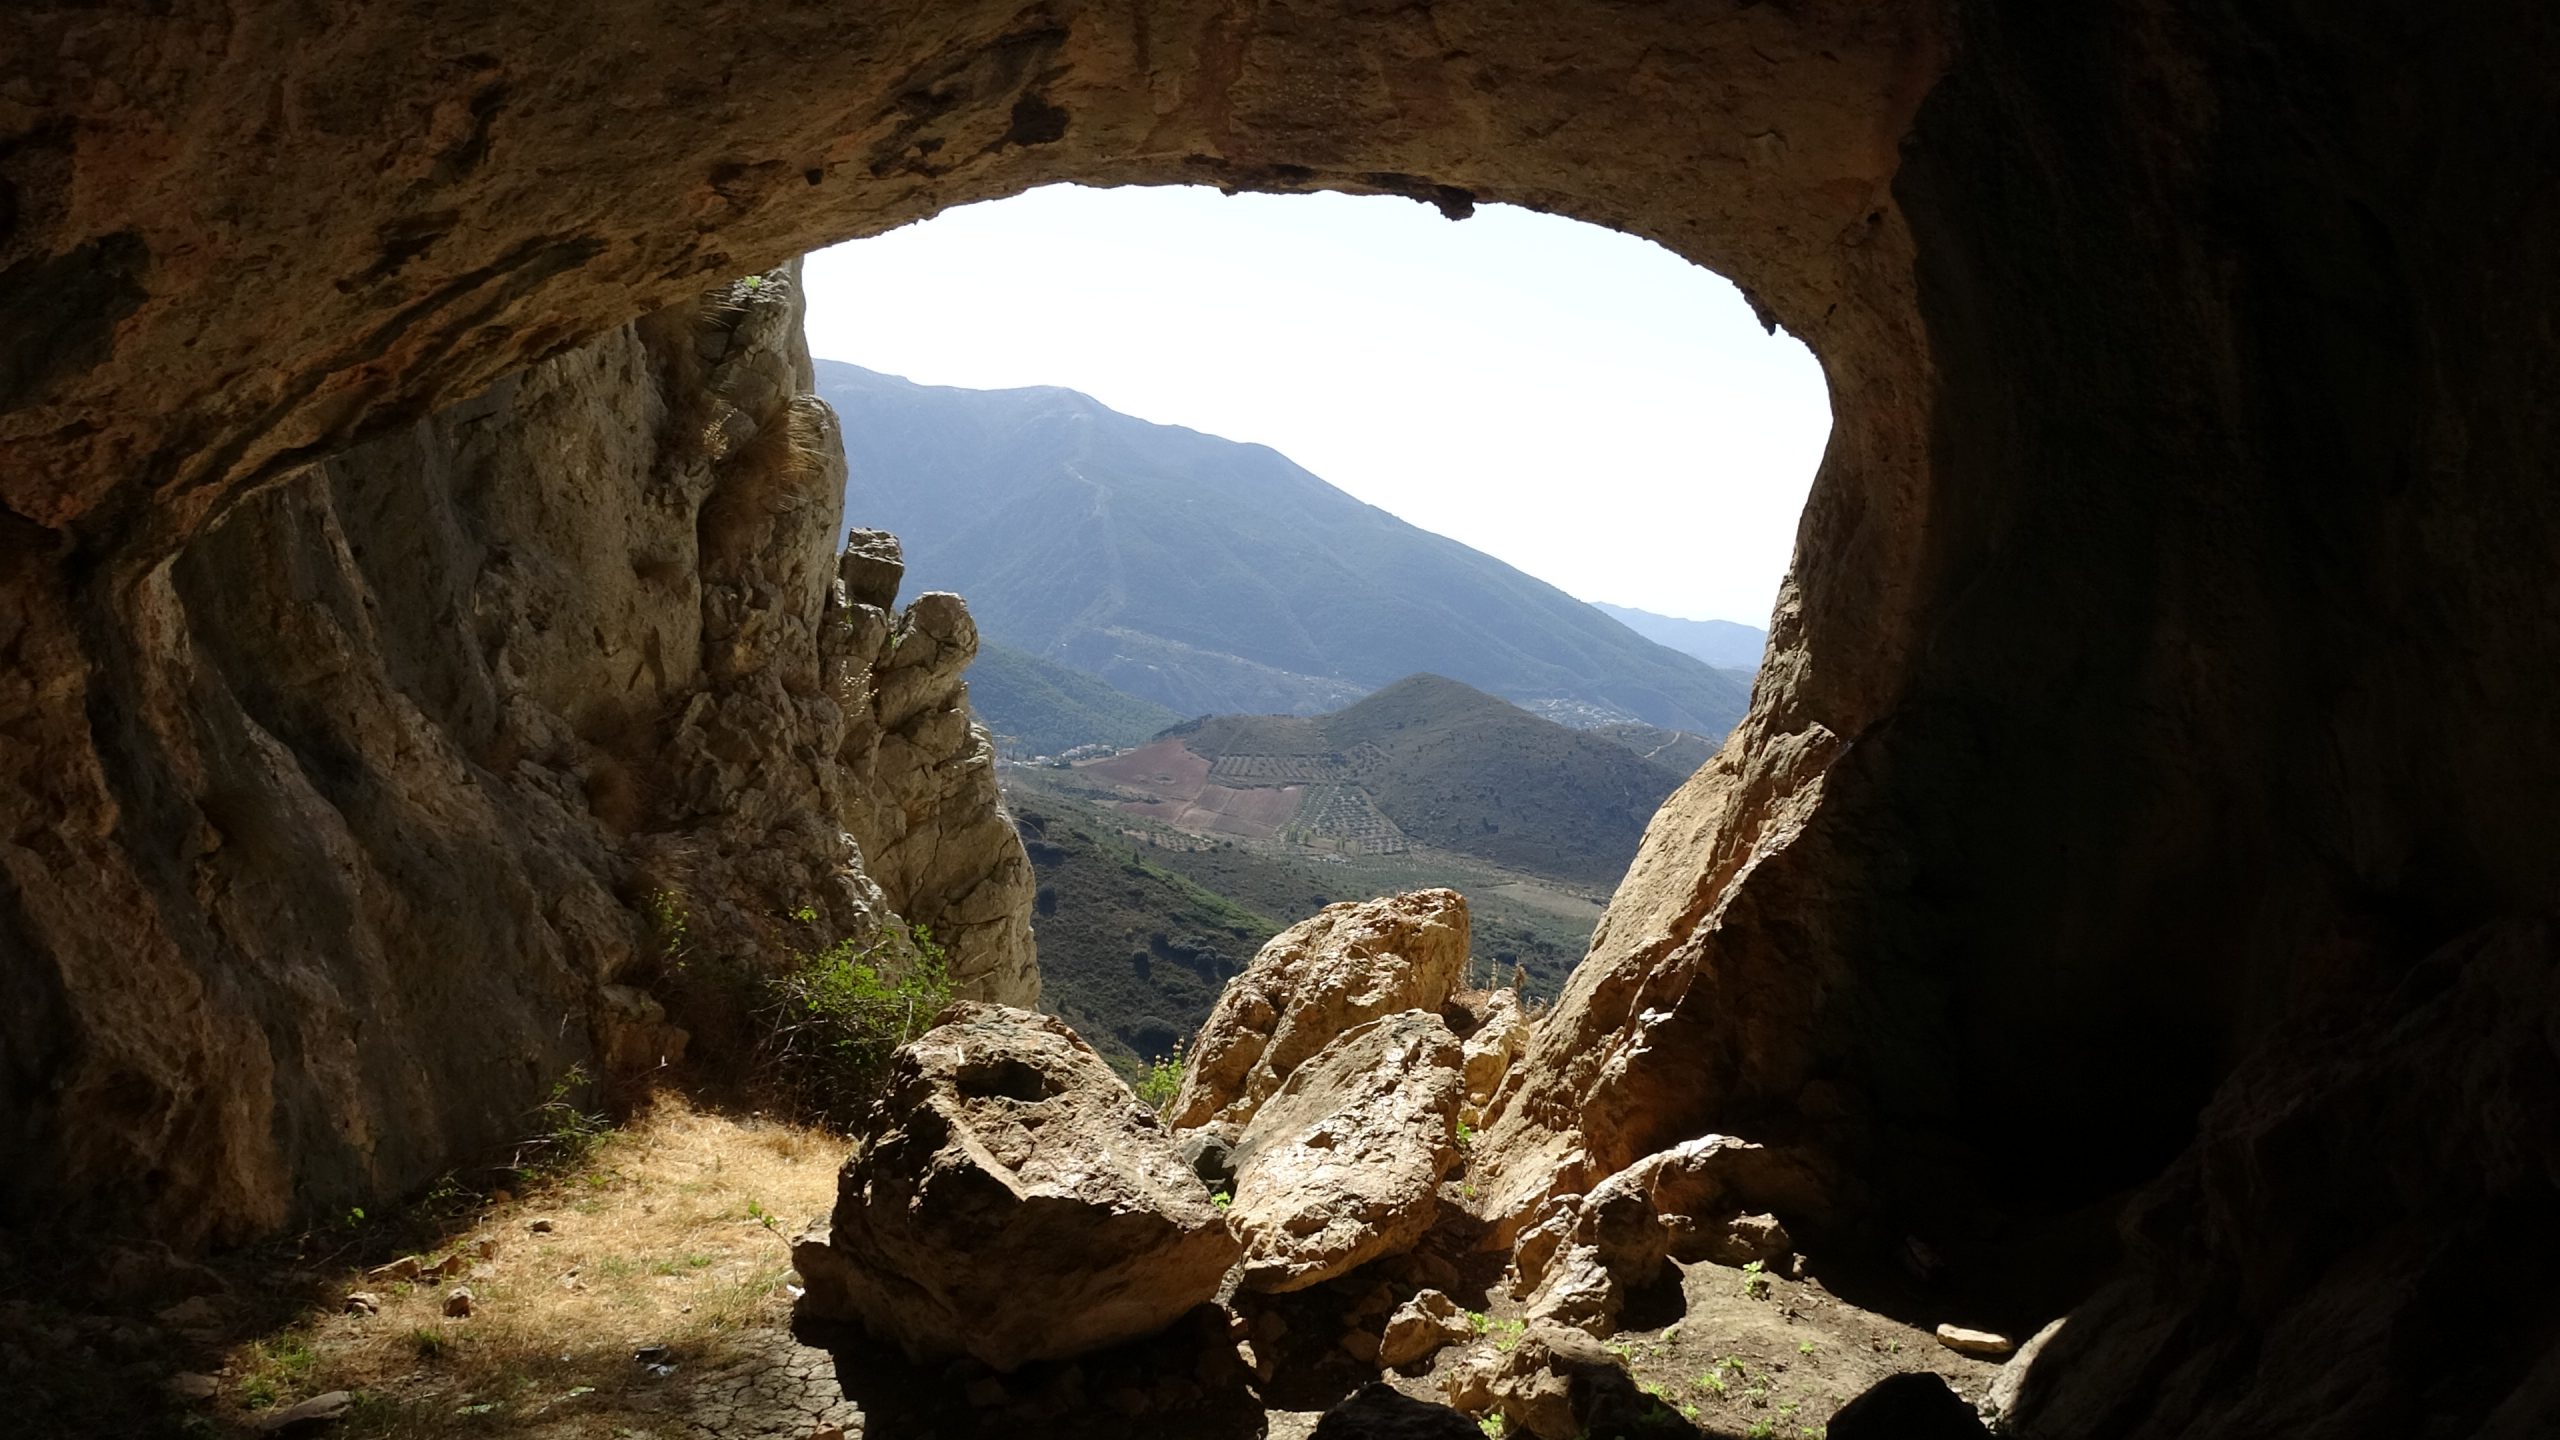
{"type": "Point", "coordinates": [833, 1019]}
{"type": "Point", "coordinates": [565, 1134]}
{"type": "Point", "coordinates": [1161, 1082]}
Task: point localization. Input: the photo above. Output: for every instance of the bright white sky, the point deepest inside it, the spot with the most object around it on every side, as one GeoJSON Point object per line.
{"type": "Point", "coordinates": [1583, 404]}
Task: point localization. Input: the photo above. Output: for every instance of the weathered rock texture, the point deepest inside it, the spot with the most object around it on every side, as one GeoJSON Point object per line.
{"type": "Point", "coordinates": [919, 780]}
{"type": "Point", "coordinates": [1344, 1164]}
{"type": "Point", "coordinates": [2344, 1252]}
{"type": "Point", "coordinates": [1013, 1202]}
{"type": "Point", "coordinates": [1695, 1201]}
{"type": "Point", "coordinates": [1345, 966]}
{"type": "Point", "coordinates": [426, 729]}
{"type": "Point", "coordinates": [2167, 650]}
{"type": "Point", "coordinates": [1501, 1036]}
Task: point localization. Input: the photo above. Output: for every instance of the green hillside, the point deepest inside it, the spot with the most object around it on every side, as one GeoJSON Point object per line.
{"type": "Point", "coordinates": [1131, 954]}
{"type": "Point", "coordinates": [1211, 576]}
{"type": "Point", "coordinates": [1456, 768]}
{"type": "Point", "coordinates": [1675, 749]}
{"type": "Point", "coordinates": [1033, 707]}
{"type": "Point", "coordinates": [1138, 937]}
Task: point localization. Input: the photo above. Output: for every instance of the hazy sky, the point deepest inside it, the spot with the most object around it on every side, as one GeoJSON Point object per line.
{"type": "Point", "coordinates": [1585, 405]}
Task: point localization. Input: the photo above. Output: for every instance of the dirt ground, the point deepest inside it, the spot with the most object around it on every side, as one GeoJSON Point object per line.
{"type": "Point", "coordinates": [643, 1292]}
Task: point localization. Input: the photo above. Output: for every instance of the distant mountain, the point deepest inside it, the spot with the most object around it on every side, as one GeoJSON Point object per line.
{"type": "Point", "coordinates": [1033, 707]}
{"type": "Point", "coordinates": [1426, 759]}
{"type": "Point", "coordinates": [1720, 643]}
{"type": "Point", "coordinates": [1212, 576]}
{"type": "Point", "coordinates": [1678, 749]}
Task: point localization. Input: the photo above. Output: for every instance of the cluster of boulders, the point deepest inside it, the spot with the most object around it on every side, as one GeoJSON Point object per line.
{"type": "Point", "coordinates": [1014, 1203]}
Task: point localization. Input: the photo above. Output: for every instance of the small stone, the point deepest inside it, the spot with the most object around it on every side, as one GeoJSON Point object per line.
{"type": "Point", "coordinates": [188, 1385]}
{"type": "Point", "coordinates": [486, 1247]}
{"type": "Point", "coordinates": [539, 1225]}
{"type": "Point", "coordinates": [408, 1267]}
{"type": "Point", "coordinates": [1982, 1344]}
{"type": "Point", "coordinates": [1420, 1327]}
{"type": "Point", "coordinates": [363, 1302]}
{"type": "Point", "coordinates": [196, 1313]}
{"type": "Point", "coordinates": [310, 1415]}
{"type": "Point", "coordinates": [458, 1304]}
{"type": "Point", "coordinates": [1746, 1238]}
{"type": "Point", "coordinates": [1469, 1383]}
{"type": "Point", "coordinates": [1361, 1345]}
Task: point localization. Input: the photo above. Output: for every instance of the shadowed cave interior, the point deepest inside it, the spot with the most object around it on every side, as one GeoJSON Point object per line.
{"type": "Point", "coordinates": [2144, 824]}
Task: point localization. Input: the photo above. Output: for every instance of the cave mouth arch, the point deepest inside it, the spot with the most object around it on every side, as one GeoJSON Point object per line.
{"type": "Point", "coordinates": [1065, 406]}
{"type": "Point", "coordinates": [548, 223]}
{"type": "Point", "coordinates": [520, 216]}
{"type": "Point", "coordinates": [2104, 725]}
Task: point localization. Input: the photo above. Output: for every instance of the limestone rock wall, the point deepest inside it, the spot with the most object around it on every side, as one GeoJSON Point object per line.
{"type": "Point", "coordinates": [426, 730]}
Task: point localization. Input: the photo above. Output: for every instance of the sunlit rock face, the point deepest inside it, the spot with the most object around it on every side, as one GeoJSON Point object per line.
{"type": "Point", "coordinates": [2166, 660]}
{"type": "Point", "coordinates": [448, 736]}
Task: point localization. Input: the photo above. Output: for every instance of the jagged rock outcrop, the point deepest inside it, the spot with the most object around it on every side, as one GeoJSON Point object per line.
{"type": "Point", "coordinates": [921, 796]}
{"type": "Point", "coordinates": [1340, 968]}
{"type": "Point", "coordinates": [1500, 1036]}
{"type": "Point", "coordinates": [1343, 1164]}
{"type": "Point", "coordinates": [1012, 1202]}
{"type": "Point", "coordinates": [1584, 1254]}
{"type": "Point", "coordinates": [434, 725]}
{"type": "Point", "coordinates": [1421, 1326]}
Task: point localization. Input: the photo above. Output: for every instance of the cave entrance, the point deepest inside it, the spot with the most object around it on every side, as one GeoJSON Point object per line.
{"type": "Point", "coordinates": [401, 225]}
{"type": "Point", "coordinates": [1279, 516]}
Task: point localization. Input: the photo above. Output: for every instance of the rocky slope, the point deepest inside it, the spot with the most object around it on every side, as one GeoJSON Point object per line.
{"type": "Point", "coordinates": [430, 727]}
{"type": "Point", "coordinates": [1217, 577]}
{"type": "Point", "coordinates": [1033, 707]}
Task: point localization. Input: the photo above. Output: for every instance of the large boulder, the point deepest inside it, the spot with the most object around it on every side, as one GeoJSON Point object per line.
{"type": "Point", "coordinates": [1013, 1202]}
{"type": "Point", "coordinates": [1344, 1164]}
{"type": "Point", "coordinates": [1376, 1411]}
{"type": "Point", "coordinates": [1560, 1384]}
{"type": "Point", "coordinates": [1692, 1202]}
{"type": "Point", "coordinates": [1347, 965]}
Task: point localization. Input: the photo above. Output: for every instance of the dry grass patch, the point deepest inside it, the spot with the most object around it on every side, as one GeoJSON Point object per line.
{"type": "Point", "coordinates": [672, 1232]}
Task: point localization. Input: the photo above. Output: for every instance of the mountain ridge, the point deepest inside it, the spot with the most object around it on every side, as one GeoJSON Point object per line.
{"type": "Point", "coordinates": [1724, 644]}
{"type": "Point", "coordinates": [1212, 575]}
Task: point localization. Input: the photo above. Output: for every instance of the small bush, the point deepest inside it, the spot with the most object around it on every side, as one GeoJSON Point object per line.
{"type": "Point", "coordinates": [1161, 1082]}
{"type": "Point", "coordinates": [564, 1136]}
{"type": "Point", "coordinates": [833, 1019]}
